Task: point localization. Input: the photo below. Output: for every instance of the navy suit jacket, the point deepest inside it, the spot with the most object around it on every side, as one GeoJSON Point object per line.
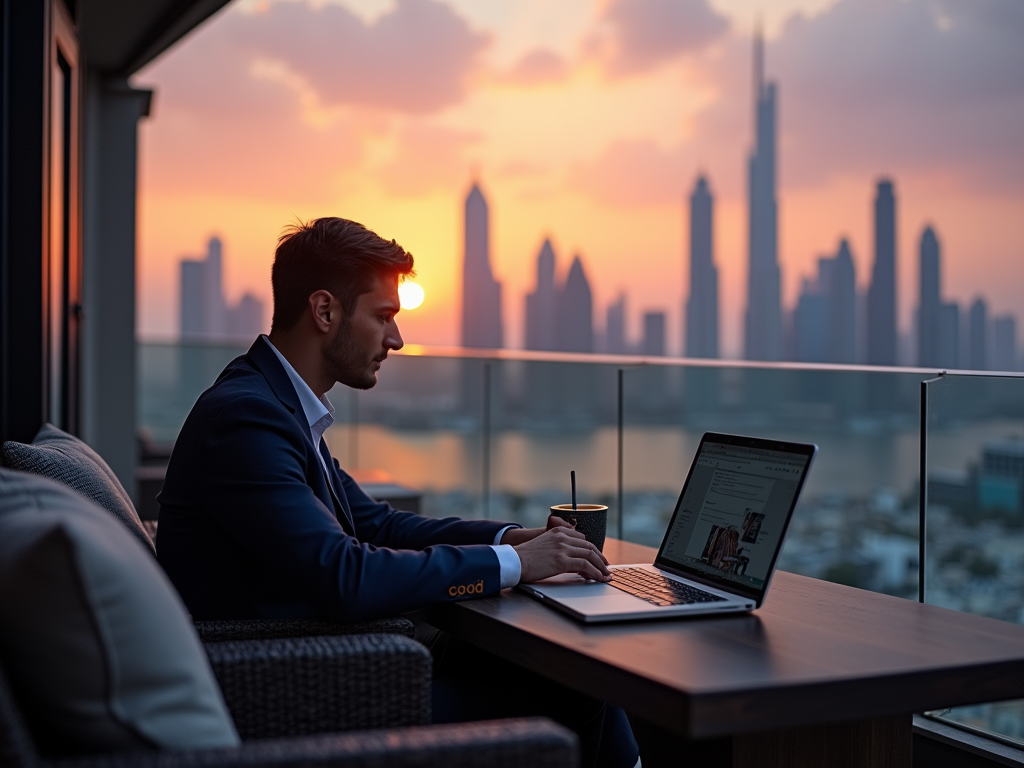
{"type": "Point", "coordinates": [250, 527]}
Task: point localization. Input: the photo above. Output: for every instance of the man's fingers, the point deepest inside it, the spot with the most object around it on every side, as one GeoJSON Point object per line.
{"type": "Point", "coordinates": [587, 570]}
{"type": "Point", "coordinates": [554, 521]}
{"type": "Point", "coordinates": [586, 551]}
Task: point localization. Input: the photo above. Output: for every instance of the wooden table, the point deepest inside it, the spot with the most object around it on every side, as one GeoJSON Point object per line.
{"type": "Point", "coordinates": [821, 675]}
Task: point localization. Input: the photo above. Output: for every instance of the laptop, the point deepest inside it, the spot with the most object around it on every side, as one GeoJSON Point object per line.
{"type": "Point", "coordinates": [719, 552]}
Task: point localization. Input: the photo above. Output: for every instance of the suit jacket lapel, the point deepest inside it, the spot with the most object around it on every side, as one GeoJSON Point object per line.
{"type": "Point", "coordinates": [337, 493]}
{"type": "Point", "coordinates": [263, 358]}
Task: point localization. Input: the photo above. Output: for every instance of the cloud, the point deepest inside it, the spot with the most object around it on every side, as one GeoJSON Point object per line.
{"type": "Point", "coordinates": [929, 85]}
{"type": "Point", "coordinates": [636, 36]}
{"type": "Point", "coordinates": [220, 129]}
{"type": "Point", "coordinates": [416, 58]}
{"type": "Point", "coordinates": [428, 157]}
{"type": "Point", "coordinates": [632, 173]}
{"type": "Point", "coordinates": [279, 103]}
{"type": "Point", "coordinates": [538, 67]}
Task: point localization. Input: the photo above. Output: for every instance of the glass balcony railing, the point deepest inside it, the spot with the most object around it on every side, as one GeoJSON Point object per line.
{"type": "Point", "coordinates": [495, 434]}
{"type": "Point", "coordinates": [973, 469]}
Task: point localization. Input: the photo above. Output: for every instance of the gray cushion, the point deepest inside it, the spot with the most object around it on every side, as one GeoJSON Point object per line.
{"type": "Point", "coordinates": [99, 648]}
{"type": "Point", "coordinates": [62, 457]}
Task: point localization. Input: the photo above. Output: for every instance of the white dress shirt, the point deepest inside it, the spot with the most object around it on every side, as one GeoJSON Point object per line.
{"type": "Point", "coordinates": [319, 415]}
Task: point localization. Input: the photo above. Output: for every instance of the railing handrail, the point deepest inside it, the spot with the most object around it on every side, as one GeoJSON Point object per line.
{"type": "Point", "coordinates": [528, 355]}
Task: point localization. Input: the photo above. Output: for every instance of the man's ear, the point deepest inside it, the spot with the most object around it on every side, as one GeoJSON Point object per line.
{"type": "Point", "coordinates": [324, 310]}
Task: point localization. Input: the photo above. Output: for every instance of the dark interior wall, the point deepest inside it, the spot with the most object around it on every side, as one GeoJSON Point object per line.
{"type": "Point", "coordinates": [23, 56]}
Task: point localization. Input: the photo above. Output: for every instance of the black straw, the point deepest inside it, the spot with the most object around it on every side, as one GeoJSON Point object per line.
{"type": "Point", "coordinates": [572, 477]}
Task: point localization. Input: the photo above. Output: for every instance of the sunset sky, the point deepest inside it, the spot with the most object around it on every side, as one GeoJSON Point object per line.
{"type": "Point", "coordinates": [587, 121]}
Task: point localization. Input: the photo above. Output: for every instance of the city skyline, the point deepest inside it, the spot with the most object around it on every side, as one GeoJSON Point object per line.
{"type": "Point", "coordinates": [584, 129]}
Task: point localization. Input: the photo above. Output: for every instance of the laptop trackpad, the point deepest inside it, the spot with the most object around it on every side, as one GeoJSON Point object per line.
{"type": "Point", "coordinates": [589, 596]}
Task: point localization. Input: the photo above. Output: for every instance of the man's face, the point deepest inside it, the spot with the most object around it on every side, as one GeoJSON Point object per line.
{"type": "Point", "coordinates": [363, 340]}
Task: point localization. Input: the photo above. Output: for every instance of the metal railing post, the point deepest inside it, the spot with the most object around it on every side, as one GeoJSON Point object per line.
{"type": "Point", "coordinates": [486, 453]}
{"type": "Point", "coordinates": [621, 427]}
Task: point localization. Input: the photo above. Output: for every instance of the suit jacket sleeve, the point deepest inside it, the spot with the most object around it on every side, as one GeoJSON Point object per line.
{"type": "Point", "coordinates": [256, 470]}
{"type": "Point", "coordinates": [382, 525]}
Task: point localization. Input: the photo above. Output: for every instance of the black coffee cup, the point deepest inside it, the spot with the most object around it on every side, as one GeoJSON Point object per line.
{"type": "Point", "coordinates": [590, 519]}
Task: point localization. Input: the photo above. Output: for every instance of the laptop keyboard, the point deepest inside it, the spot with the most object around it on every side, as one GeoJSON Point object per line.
{"type": "Point", "coordinates": [658, 590]}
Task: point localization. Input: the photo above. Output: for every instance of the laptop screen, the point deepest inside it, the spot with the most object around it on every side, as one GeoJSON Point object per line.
{"type": "Point", "coordinates": [734, 509]}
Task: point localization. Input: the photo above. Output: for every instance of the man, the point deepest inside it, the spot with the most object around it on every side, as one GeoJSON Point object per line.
{"type": "Point", "coordinates": [257, 520]}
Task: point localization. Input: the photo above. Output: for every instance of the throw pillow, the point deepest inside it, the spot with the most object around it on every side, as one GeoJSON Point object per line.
{"type": "Point", "coordinates": [62, 457]}
{"type": "Point", "coordinates": [98, 647]}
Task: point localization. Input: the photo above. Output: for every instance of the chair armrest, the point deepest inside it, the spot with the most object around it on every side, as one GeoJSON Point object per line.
{"type": "Point", "coordinates": [298, 686]}
{"type": "Point", "coordinates": [524, 743]}
{"type": "Point", "coordinates": [265, 629]}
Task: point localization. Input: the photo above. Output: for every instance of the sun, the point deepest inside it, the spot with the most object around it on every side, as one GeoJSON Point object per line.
{"type": "Point", "coordinates": [410, 294]}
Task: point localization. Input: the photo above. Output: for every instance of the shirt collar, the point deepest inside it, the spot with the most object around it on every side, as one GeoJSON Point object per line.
{"type": "Point", "coordinates": [316, 409]}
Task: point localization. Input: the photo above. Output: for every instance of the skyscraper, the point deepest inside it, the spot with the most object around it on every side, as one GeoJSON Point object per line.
{"type": "Point", "coordinates": [202, 307]}
{"type": "Point", "coordinates": [764, 312]}
{"type": "Point", "coordinates": [977, 335]}
{"type": "Point", "coordinates": [1004, 343]}
{"type": "Point", "coordinates": [653, 343]}
{"type": "Point", "coordinates": [881, 304]}
{"type": "Point", "coordinates": [841, 285]}
{"type": "Point", "coordinates": [481, 293]}
{"type": "Point", "coordinates": [245, 319]}
{"type": "Point", "coordinates": [949, 335]}
{"type": "Point", "coordinates": [929, 305]}
{"type": "Point", "coordinates": [702, 306]}
{"type": "Point", "coordinates": [205, 315]}
{"type": "Point", "coordinates": [615, 328]}
{"type": "Point", "coordinates": [541, 303]}
{"type": "Point", "coordinates": [575, 312]}
{"type": "Point", "coordinates": [824, 321]}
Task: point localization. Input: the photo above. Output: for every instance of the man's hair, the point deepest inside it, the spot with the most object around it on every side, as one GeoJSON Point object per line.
{"type": "Point", "coordinates": [331, 254]}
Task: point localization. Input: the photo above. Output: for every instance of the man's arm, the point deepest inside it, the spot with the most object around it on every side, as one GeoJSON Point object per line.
{"type": "Point", "coordinates": [255, 483]}
{"type": "Point", "coordinates": [542, 552]}
{"type": "Point", "coordinates": [382, 525]}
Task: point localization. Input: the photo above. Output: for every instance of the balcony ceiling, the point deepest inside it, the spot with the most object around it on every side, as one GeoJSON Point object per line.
{"type": "Point", "coordinates": [122, 36]}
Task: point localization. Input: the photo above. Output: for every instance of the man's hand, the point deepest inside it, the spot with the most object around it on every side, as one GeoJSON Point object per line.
{"type": "Point", "coordinates": [561, 549]}
{"type": "Point", "coordinates": [516, 536]}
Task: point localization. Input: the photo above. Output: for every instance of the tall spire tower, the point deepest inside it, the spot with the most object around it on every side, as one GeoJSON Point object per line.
{"type": "Point", "coordinates": [481, 293]}
{"type": "Point", "coordinates": [763, 326]}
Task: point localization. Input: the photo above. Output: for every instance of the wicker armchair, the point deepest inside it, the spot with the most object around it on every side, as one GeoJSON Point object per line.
{"type": "Point", "coordinates": [307, 702]}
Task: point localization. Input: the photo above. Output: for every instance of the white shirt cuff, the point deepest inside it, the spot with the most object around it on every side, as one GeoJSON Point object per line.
{"type": "Point", "coordinates": [508, 564]}
{"type": "Point", "coordinates": [497, 539]}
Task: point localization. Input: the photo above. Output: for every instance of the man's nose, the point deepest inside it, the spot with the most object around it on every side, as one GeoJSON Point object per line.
{"type": "Point", "coordinates": [393, 339]}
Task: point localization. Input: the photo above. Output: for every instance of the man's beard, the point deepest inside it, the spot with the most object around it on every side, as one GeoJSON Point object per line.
{"type": "Point", "coordinates": [348, 366]}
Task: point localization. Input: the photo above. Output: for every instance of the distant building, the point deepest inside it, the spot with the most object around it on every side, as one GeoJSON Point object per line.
{"type": "Point", "coordinates": [541, 303]}
{"type": "Point", "coordinates": [481, 293]}
{"type": "Point", "coordinates": [245, 320]}
{"type": "Point", "coordinates": [204, 313]}
{"type": "Point", "coordinates": [977, 335]}
{"type": "Point", "coordinates": [929, 305]}
{"type": "Point", "coordinates": [1004, 344]}
{"type": "Point", "coordinates": [653, 343]}
{"type": "Point", "coordinates": [949, 335]}
{"type": "Point", "coordinates": [881, 303]}
{"type": "Point", "coordinates": [824, 323]}
{"type": "Point", "coordinates": [840, 281]}
{"type": "Point", "coordinates": [810, 324]}
{"type": "Point", "coordinates": [615, 327]}
{"type": "Point", "coordinates": [702, 306]}
{"type": "Point", "coordinates": [575, 312]}
{"type": "Point", "coordinates": [763, 326]}
{"type": "Point", "coordinates": [1001, 475]}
